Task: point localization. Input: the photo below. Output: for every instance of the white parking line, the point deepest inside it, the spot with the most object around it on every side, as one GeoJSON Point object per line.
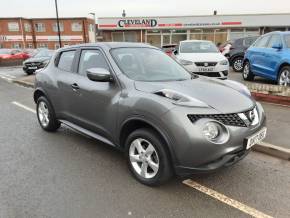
{"type": "Point", "coordinates": [7, 75]}
{"type": "Point", "coordinates": [23, 106]}
{"type": "Point", "coordinates": [229, 201]}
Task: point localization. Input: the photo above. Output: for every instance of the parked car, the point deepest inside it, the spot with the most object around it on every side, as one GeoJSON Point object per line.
{"type": "Point", "coordinates": [138, 99]}
{"type": "Point", "coordinates": [169, 49]}
{"type": "Point", "coordinates": [38, 61]}
{"type": "Point", "coordinates": [203, 58]}
{"type": "Point", "coordinates": [236, 51]}
{"type": "Point", "coordinates": [269, 57]}
{"type": "Point", "coordinates": [13, 54]}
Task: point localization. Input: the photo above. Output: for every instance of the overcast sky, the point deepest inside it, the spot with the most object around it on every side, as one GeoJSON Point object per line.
{"type": "Point", "coordinates": [113, 8]}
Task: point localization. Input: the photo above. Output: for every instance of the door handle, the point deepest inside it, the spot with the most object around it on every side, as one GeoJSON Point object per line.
{"type": "Point", "coordinates": [75, 86]}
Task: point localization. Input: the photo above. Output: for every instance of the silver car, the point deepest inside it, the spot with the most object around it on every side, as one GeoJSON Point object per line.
{"type": "Point", "coordinates": [136, 98]}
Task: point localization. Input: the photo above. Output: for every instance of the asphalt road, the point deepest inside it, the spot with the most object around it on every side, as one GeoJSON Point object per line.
{"type": "Point", "coordinates": [65, 174]}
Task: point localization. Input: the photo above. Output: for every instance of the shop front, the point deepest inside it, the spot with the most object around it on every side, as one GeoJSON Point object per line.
{"type": "Point", "coordinates": [160, 31]}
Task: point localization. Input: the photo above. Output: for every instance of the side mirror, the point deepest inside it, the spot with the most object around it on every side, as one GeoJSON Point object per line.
{"type": "Point", "coordinates": [99, 75]}
{"type": "Point", "coordinates": [277, 46]}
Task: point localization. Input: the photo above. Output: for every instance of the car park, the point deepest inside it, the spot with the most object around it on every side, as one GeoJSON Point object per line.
{"type": "Point", "coordinates": [202, 57]}
{"type": "Point", "coordinates": [269, 57]}
{"type": "Point", "coordinates": [138, 99]}
{"type": "Point", "coordinates": [235, 50]}
{"type": "Point", "coordinates": [38, 61]}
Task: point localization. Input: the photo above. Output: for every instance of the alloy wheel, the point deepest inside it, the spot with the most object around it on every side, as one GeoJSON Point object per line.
{"type": "Point", "coordinates": [238, 64]}
{"type": "Point", "coordinates": [144, 158]}
{"type": "Point", "coordinates": [246, 70]}
{"type": "Point", "coordinates": [43, 114]}
{"type": "Point", "coordinates": [284, 78]}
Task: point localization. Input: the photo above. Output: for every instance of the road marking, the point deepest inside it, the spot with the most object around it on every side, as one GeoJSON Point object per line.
{"type": "Point", "coordinates": [229, 201]}
{"type": "Point", "coordinates": [23, 106]}
{"type": "Point", "coordinates": [6, 78]}
{"type": "Point", "coordinates": [7, 75]}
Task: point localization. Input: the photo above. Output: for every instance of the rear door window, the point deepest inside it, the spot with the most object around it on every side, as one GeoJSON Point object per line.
{"type": "Point", "coordinates": [66, 60]}
{"type": "Point", "coordinates": [275, 39]}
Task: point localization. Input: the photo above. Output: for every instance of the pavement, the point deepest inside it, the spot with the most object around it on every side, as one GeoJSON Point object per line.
{"type": "Point", "coordinates": [65, 174]}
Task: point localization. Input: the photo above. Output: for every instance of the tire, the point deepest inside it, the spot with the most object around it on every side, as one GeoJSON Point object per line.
{"type": "Point", "coordinates": [152, 153]}
{"type": "Point", "coordinates": [237, 64]}
{"type": "Point", "coordinates": [247, 73]}
{"type": "Point", "coordinates": [284, 76]}
{"type": "Point", "coordinates": [46, 115]}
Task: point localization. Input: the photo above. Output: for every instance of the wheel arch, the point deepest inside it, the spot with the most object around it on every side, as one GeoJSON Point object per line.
{"type": "Point", "coordinates": [133, 123]}
{"type": "Point", "coordinates": [38, 93]}
{"type": "Point", "coordinates": [283, 64]}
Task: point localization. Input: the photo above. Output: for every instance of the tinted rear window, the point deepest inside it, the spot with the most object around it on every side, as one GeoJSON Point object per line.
{"type": "Point", "coordinates": [287, 40]}
{"type": "Point", "coordinates": [66, 60]}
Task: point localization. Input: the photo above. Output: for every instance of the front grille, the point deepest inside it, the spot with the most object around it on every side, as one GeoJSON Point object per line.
{"type": "Point", "coordinates": [209, 74]}
{"type": "Point", "coordinates": [33, 64]}
{"type": "Point", "coordinates": [205, 64]}
{"type": "Point", "coordinates": [226, 119]}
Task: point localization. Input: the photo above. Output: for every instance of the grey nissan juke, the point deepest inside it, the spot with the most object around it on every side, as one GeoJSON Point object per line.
{"type": "Point", "coordinates": [138, 99]}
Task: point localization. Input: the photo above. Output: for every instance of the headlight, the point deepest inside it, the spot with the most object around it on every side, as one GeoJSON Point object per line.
{"type": "Point", "coordinates": [211, 131]}
{"type": "Point", "coordinates": [224, 62]}
{"type": "Point", "coordinates": [216, 132]}
{"type": "Point", "coordinates": [185, 62]}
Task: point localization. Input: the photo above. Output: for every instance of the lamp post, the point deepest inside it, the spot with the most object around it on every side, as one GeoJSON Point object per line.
{"type": "Point", "coordinates": [57, 22]}
{"type": "Point", "coordinates": [95, 32]}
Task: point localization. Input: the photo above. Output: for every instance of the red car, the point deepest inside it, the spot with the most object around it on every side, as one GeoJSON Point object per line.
{"type": "Point", "coordinates": [13, 54]}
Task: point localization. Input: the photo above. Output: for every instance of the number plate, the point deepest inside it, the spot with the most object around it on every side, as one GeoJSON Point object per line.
{"type": "Point", "coordinates": [32, 68]}
{"type": "Point", "coordinates": [205, 69]}
{"type": "Point", "coordinates": [254, 139]}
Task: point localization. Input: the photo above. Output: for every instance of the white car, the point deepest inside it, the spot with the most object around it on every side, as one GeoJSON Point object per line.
{"type": "Point", "coordinates": [203, 58]}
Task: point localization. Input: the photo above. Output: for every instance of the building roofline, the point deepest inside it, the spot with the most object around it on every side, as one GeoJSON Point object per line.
{"type": "Point", "coordinates": [45, 18]}
{"type": "Point", "coordinates": [209, 15]}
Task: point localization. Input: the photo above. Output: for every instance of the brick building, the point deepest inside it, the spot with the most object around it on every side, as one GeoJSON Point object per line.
{"type": "Point", "coordinates": [18, 32]}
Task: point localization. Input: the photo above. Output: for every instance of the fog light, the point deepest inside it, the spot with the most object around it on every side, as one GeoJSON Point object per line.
{"type": "Point", "coordinates": [211, 131]}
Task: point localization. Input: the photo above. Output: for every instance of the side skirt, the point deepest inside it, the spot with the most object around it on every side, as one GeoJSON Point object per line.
{"type": "Point", "coordinates": [87, 132]}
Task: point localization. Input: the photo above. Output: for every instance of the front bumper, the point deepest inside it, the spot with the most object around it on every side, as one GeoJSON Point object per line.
{"type": "Point", "coordinates": [29, 67]}
{"type": "Point", "coordinates": [194, 154]}
{"type": "Point", "coordinates": [218, 71]}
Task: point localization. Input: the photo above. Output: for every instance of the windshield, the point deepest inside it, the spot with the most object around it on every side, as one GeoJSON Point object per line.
{"type": "Point", "coordinates": [5, 51]}
{"type": "Point", "coordinates": [44, 53]}
{"type": "Point", "coordinates": [148, 64]}
{"type": "Point", "coordinates": [287, 40]}
{"type": "Point", "coordinates": [198, 47]}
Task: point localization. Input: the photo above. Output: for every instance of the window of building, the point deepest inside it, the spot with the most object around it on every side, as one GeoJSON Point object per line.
{"type": "Point", "coordinates": [39, 27]}
{"type": "Point", "coordinates": [274, 40]}
{"type": "Point", "coordinates": [13, 26]}
{"type": "Point", "coordinates": [29, 45]}
{"type": "Point", "coordinates": [91, 27]}
{"type": "Point", "coordinates": [76, 26]}
{"type": "Point", "coordinates": [56, 46]}
{"type": "Point", "coordinates": [16, 45]}
{"type": "Point", "coordinates": [92, 59]}
{"type": "Point", "coordinates": [27, 27]}
{"type": "Point", "coordinates": [55, 29]}
{"type": "Point", "coordinates": [42, 45]}
{"type": "Point", "coordinates": [66, 60]}
{"type": "Point", "coordinates": [127, 36]}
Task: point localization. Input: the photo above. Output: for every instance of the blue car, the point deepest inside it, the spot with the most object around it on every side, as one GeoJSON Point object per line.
{"type": "Point", "coordinates": [269, 57]}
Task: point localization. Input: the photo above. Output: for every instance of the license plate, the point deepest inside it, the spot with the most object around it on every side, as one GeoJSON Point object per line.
{"type": "Point", "coordinates": [205, 69]}
{"type": "Point", "coordinates": [32, 68]}
{"type": "Point", "coordinates": [257, 137]}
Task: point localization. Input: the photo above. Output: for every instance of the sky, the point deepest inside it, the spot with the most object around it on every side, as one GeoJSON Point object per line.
{"type": "Point", "coordinates": [113, 8]}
